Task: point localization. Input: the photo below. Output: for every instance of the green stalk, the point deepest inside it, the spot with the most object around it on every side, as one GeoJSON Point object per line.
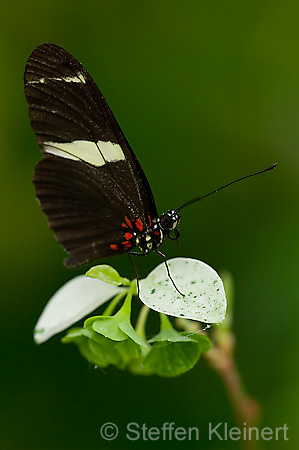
{"type": "Point", "coordinates": [114, 302]}
{"type": "Point", "coordinates": [141, 322]}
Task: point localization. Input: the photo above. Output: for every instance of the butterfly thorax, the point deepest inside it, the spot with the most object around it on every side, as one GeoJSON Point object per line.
{"type": "Point", "coordinates": [147, 235]}
{"type": "Point", "coordinates": [152, 236]}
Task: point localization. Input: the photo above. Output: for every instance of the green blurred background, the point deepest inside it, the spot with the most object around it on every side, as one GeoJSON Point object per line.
{"type": "Point", "coordinates": [205, 92]}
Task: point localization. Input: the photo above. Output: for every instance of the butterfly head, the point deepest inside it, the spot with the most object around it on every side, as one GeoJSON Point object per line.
{"type": "Point", "coordinates": [169, 221]}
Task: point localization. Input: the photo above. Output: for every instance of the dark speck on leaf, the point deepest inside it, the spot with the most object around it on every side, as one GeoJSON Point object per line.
{"type": "Point", "coordinates": [153, 291]}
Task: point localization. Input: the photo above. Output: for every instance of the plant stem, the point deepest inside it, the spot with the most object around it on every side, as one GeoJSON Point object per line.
{"type": "Point", "coordinates": [141, 321]}
{"type": "Point", "coordinates": [221, 358]}
{"type": "Point", "coordinates": [246, 409]}
{"type": "Point", "coordinates": [114, 302]}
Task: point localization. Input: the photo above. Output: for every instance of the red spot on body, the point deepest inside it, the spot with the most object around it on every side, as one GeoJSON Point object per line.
{"type": "Point", "coordinates": [114, 247]}
{"type": "Point", "coordinates": [157, 232]}
{"type": "Point", "coordinates": [129, 223]}
{"type": "Point", "coordinates": [128, 236]}
{"type": "Point", "coordinates": [127, 244]}
{"type": "Point", "coordinates": [149, 220]}
{"type": "Point", "coordinates": [139, 224]}
{"type": "Point", "coordinates": [124, 225]}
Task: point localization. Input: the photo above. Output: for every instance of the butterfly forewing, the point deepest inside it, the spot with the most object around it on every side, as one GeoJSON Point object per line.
{"type": "Point", "coordinates": [89, 180]}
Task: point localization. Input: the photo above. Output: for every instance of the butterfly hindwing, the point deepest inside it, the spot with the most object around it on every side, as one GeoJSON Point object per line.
{"type": "Point", "coordinates": [89, 179]}
{"type": "Point", "coordinates": [84, 221]}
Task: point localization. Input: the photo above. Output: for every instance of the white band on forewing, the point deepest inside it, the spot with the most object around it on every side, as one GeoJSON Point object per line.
{"type": "Point", "coordinates": [97, 154]}
{"type": "Point", "coordinates": [68, 79]}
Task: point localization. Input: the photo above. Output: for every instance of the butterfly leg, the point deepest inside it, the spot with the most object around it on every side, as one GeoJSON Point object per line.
{"type": "Point", "coordinates": [134, 267]}
{"type": "Point", "coordinates": [168, 272]}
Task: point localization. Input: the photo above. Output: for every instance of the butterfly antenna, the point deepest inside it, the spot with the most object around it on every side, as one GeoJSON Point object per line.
{"type": "Point", "coordinates": [222, 187]}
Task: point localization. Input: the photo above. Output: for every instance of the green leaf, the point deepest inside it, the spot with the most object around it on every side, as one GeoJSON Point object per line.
{"type": "Point", "coordinates": [82, 338]}
{"type": "Point", "coordinates": [107, 326]}
{"type": "Point", "coordinates": [117, 327]}
{"type": "Point", "coordinates": [138, 367]}
{"type": "Point", "coordinates": [127, 328]}
{"type": "Point", "coordinates": [169, 334]}
{"type": "Point", "coordinates": [204, 297]}
{"type": "Point", "coordinates": [104, 351]}
{"type": "Point", "coordinates": [172, 354]}
{"type": "Point", "coordinates": [75, 333]}
{"type": "Point", "coordinates": [172, 359]}
{"type": "Point", "coordinates": [107, 274]}
{"type": "Point", "coordinates": [88, 353]}
{"type": "Point", "coordinates": [128, 351]}
{"type": "Point", "coordinates": [203, 342]}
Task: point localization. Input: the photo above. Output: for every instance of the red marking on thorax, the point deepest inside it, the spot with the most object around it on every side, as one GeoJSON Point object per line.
{"type": "Point", "coordinates": [114, 247]}
{"type": "Point", "coordinates": [157, 232]}
{"type": "Point", "coordinates": [139, 224]}
{"type": "Point", "coordinates": [128, 236]}
{"type": "Point", "coordinates": [149, 220]}
{"type": "Point", "coordinates": [129, 223]}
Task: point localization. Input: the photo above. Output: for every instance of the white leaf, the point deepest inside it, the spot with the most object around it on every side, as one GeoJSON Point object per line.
{"type": "Point", "coordinates": [204, 297]}
{"type": "Point", "coordinates": [73, 301]}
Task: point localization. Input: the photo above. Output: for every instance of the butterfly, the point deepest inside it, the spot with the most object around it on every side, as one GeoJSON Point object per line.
{"type": "Point", "coordinates": [90, 185]}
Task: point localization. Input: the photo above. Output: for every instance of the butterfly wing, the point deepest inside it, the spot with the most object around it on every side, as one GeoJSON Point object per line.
{"type": "Point", "coordinates": [89, 179]}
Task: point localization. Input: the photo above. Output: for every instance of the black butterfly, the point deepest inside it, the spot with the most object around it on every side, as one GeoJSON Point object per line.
{"type": "Point", "coordinates": [90, 184]}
